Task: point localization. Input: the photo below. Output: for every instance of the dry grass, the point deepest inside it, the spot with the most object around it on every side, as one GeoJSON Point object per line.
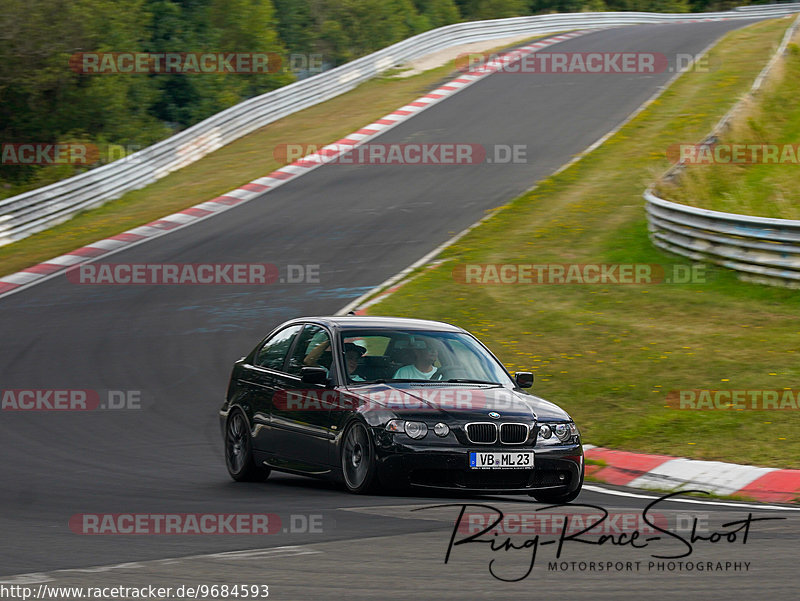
{"type": "Point", "coordinates": [767, 190]}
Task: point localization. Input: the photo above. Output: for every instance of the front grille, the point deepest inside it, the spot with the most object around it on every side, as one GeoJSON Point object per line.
{"type": "Point", "coordinates": [513, 433]}
{"type": "Point", "coordinates": [482, 433]}
{"type": "Point", "coordinates": [486, 433]}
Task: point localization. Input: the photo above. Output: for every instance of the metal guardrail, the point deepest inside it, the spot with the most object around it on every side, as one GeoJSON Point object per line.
{"type": "Point", "coordinates": [33, 211]}
{"type": "Point", "coordinates": [754, 8]}
{"type": "Point", "coordinates": [761, 249]}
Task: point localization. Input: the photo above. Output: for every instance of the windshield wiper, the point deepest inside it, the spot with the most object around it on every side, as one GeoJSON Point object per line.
{"type": "Point", "coordinates": [384, 381]}
{"type": "Point", "coordinates": [411, 381]}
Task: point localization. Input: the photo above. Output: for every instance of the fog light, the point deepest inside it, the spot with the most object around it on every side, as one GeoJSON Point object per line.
{"type": "Point", "coordinates": [441, 429]}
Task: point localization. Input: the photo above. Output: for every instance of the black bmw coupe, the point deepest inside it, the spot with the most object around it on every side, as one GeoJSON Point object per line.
{"type": "Point", "coordinates": [389, 402]}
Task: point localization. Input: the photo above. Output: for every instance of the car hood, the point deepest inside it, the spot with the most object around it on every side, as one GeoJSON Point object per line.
{"type": "Point", "coordinates": [463, 402]}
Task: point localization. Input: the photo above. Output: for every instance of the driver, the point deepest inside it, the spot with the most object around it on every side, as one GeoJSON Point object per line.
{"type": "Point", "coordinates": [352, 353]}
{"type": "Point", "coordinates": [422, 369]}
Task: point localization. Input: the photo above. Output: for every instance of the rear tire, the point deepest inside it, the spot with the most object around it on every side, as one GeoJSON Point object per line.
{"type": "Point", "coordinates": [239, 451]}
{"type": "Point", "coordinates": [358, 460]}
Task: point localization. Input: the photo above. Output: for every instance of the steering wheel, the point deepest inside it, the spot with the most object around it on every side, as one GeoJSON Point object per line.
{"type": "Point", "coordinates": [448, 372]}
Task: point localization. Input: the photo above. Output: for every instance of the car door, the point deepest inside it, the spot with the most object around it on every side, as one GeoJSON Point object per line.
{"type": "Point", "coordinates": [260, 376]}
{"type": "Point", "coordinates": [301, 411]}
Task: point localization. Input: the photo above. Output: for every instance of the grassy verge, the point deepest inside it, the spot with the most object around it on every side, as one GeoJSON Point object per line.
{"type": "Point", "coordinates": [610, 353]}
{"type": "Point", "coordinates": [236, 164]}
{"type": "Point", "coordinates": [767, 190]}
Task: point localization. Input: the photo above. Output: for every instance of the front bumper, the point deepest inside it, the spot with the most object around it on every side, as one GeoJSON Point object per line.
{"type": "Point", "coordinates": [443, 467]}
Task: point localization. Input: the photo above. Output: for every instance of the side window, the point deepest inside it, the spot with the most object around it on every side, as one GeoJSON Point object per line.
{"type": "Point", "coordinates": [313, 349]}
{"type": "Point", "coordinates": [273, 353]}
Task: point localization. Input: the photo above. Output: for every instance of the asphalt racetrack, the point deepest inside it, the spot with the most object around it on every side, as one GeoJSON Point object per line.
{"type": "Point", "coordinates": [174, 345]}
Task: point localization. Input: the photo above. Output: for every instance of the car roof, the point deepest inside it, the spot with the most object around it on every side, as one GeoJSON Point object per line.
{"type": "Point", "coordinates": [348, 322]}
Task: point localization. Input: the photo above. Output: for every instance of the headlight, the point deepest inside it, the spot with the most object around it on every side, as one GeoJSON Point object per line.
{"type": "Point", "coordinates": [412, 429]}
{"type": "Point", "coordinates": [564, 432]}
{"type": "Point", "coordinates": [416, 429]}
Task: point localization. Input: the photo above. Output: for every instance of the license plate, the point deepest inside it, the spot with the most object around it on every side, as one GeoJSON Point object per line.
{"type": "Point", "coordinates": [499, 461]}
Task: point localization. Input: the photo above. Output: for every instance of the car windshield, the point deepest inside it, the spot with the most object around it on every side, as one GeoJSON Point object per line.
{"type": "Point", "coordinates": [416, 355]}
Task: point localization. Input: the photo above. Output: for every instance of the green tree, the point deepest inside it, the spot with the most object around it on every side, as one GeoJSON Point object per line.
{"type": "Point", "coordinates": [218, 26]}
{"type": "Point", "coordinates": [241, 26]}
{"type": "Point", "coordinates": [473, 10]}
{"type": "Point", "coordinates": [353, 28]}
{"type": "Point", "coordinates": [296, 25]}
{"type": "Point", "coordinates": [439, 12]}
{"type": "Point", "coordinates": [43, 100]}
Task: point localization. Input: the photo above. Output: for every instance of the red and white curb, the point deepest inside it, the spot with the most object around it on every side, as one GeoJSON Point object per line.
{"type": "Point", "coordinates": [663, 472]}
{"type": "Point", "coordinates": [30, 276]}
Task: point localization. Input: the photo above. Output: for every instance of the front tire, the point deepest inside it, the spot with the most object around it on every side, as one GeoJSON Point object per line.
{"type": "Point", "coordinates": [239, 451]}
{"type": "Point", "coordinates": [358, 460]}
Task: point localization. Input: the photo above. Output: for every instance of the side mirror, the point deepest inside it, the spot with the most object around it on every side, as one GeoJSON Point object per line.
{"type": "Point", "coordinates": [314, 375]}
{"type": "Point", "coordinates": [524, 379]}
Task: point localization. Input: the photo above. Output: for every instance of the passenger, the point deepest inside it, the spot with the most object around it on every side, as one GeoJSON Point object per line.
{"type": "Point", "coordinates": [422, 368]}
{"type": "Point", "coordinates": [353, 353]}
{"type": "Point", "coordinates": [313, 357]}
